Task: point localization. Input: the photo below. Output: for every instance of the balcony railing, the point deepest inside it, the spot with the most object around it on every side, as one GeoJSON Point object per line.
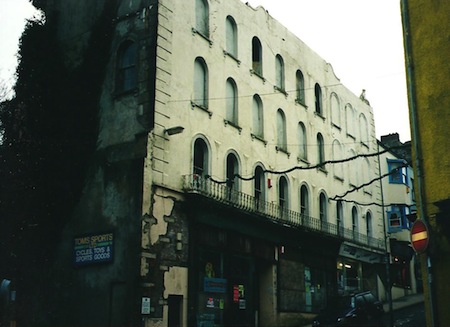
{"type": "Point", "coordinates": [224, 194]}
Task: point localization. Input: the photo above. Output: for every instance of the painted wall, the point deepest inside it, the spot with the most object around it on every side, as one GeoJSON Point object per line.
{"type": "Point", "coordinates": [426, 40]}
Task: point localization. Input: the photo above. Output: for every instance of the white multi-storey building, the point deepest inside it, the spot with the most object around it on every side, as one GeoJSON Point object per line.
{"type": "Point", "coordinates": [213, 176]}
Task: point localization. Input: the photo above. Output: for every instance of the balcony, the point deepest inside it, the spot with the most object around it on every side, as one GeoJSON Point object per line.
{"type": "Point", "coordinates": [195, 184]}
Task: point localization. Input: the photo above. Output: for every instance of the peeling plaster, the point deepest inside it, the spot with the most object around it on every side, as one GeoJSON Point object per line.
{"type": "Point", "coordinates": [162, 206]}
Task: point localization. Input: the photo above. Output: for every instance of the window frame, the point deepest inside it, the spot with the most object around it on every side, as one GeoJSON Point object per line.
{"type": "Point", "coordinates": [126, 69]}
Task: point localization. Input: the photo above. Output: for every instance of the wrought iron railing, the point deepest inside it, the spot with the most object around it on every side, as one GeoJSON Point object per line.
{"type": "Point", "coordinates": [229, 196]}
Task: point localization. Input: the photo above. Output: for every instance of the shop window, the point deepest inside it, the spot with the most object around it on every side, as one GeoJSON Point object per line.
{"type": "Point", "coordinates": [126, 79]}
{"type": "Point", "coordinates": [257, 56]}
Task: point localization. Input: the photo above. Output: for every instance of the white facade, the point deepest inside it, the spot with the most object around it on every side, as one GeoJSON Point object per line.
{"type": "Point", "coordinates": [345, 123]}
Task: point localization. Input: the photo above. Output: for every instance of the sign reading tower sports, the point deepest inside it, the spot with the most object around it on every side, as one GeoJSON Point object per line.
{"type": "Point", "coordinates": [91, 249]}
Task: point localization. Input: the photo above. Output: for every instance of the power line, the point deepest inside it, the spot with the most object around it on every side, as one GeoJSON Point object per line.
{"type": "Point", "coordinates": [319, 165]}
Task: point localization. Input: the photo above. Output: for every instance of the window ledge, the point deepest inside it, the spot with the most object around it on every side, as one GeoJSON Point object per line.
{"type": "Point", "coordinates": [336, 126]}
{"type": "Point", "coordinates": [203, 108]}
{"type": "Point", "coordinates": [259, 138]}
{"type": "Point", "coordinates": [301, 102]}
{"type": "Point", "coordinates": [232, 124]}
{"type": "Point", "coordinates": [253, 72]}
{"type": "Point", "coordinates": [323, 170]}
{"type": "Point", "coordinates": [227, 54]}
{"type": "Point", "coordinates": [304, 160]}
{"type": "Point", "coordinates": [280, 149]}
{"type": "Point", "coordinates": [340, 179]}
{"type": "Point", "coordinates": [364, 144]}
{"type": "Point", "coordinates": [281, 90]}
{"type": "Point", "coordinates": [205, 37]}
{"type": "Point", "coordinates": [351, 136]}
{"type": "Point", "coordinates": [319, 115]}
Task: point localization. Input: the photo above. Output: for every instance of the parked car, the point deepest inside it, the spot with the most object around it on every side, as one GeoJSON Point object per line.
{"type": "Point", "coordinates": [358, 309]}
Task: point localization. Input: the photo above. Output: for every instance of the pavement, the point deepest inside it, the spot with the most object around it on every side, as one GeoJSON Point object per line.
{"type": "Point", "coordinates": [403, 302]}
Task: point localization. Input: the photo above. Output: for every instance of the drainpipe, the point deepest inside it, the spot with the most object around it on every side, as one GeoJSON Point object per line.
{"type": "Point", "coordinates": [416, 137]}
{"type": "Point", "coordinates": [386, 245]}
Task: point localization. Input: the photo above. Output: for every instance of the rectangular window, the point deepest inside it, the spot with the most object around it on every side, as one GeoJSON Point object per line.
{"type": "Point", "coordinates": [398, 173]}
{"type": "Point", "coordinates": [397, 218]}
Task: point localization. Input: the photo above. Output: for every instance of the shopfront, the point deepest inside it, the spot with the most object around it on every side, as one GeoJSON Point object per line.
{"type": "Point", "coordinates": [228, 267]}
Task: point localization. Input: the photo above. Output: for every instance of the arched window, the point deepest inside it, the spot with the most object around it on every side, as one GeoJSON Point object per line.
{"type": "Point", "coordinates": [335, 110]}
{"type": "Point", "coordinates": [231, 36]}
{"type": "Point", "coordinates": [200, 83]}
{"type": "Point", "coordinates": [260, 186]}
{"type": "Point", "coordinates": [258, 119]}
{"type": "Point", "coordinates": [201, 158]}
{"type": "Point", "coordinates": [366, 177]}
{"type": "Point", "coordinates": [320, 149]}
{"type": "Point", "coordinates": [364, 130]}
{"type": "Point", "coordinates": [304, 201]}
{"type": "Point", "coordinates": [323, 208]}
{"type": "Point", "coordinates": [339, 217]}
{"type": "Point", "coordinates": [318, 99]}
{"type": "Point", "coordinates": [281, 130]}
{"type": "Point", "coordinates": [202, 17]}
{"type": "Point", "coordinates": [352, 173]}
{"type": "Point", "coordinates": [283, 194]}
{"type": "Point", "coordinates": [369, 231]}
{"type": "Point", "coordinates": [302, 145]}
{"type": "Point", "coordinates": [279, 71]}
{"type": "Point", "coordinates": [126, 79]}
{"type": "Point", "coordinates": [232, 172]}
{"type": "Point", "coordinates": [257, 56]}
{"type": "Point", "coordinates": [300, 87]}
{"type": "Point", "coordinates": [354, 221]}
{"type": "Point", "coordinates": [337, 155]}
{"type": "Point", "coordinates": [350, 118]}
{"type": "Point", "coordinates": [231, 102]}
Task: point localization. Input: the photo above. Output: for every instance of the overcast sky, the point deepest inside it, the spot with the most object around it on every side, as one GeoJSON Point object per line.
{"type": "Point", "coordinates": [362, 39]}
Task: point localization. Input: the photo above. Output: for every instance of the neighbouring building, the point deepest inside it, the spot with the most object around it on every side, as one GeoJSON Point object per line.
{"type": "Point", "coordinates": [400, 212]}
{"type": "Point", "coordinates": [426, 35]}
{"type": "Point", "coordinates": [211, 199]}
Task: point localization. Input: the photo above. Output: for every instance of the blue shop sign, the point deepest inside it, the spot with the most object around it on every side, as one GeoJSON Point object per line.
{"type": "Point", "coordinates": [93, 249]}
